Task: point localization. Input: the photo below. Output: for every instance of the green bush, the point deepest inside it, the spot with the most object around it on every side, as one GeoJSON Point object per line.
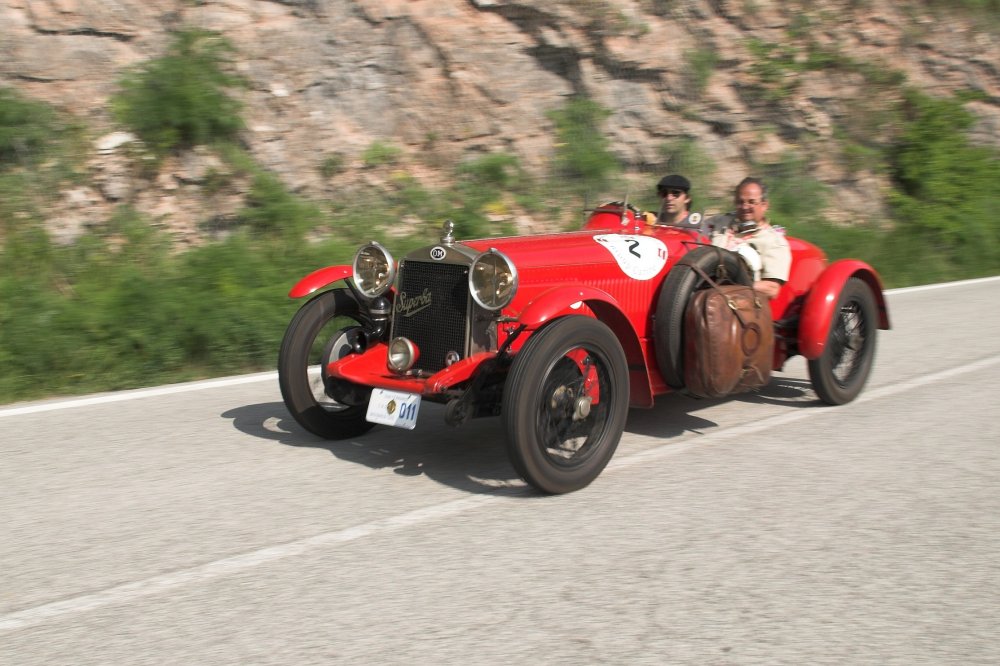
{"type": "Point", "coordinates": [181, 100]}
{"type": "Point", "coordinates": [945, 187]}
{"type": "Point", "coordinates": [795, 195]}
{"type": "Point", "coordinates": [498, 170]}
{"type": "Point", "coordinates": [331, 165]}
{"type": "Point", "coordinates": [39, 150]}
{"type": "Point", "coordinates": [699, 64]}
{"type": "Point", "coordinates": [119, 310]}
{"type": "Point", "coordinates": [26, 128]}
{"type": "Point", "coordinates": [272, 210]}
{"type": "Point", "coordinates": [583, 158]}
{"type": "Point", "coordinates": [380, 153]}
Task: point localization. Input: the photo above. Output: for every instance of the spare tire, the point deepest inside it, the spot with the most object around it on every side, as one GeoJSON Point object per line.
{"type": "Point", "coordinates": [682, 281]}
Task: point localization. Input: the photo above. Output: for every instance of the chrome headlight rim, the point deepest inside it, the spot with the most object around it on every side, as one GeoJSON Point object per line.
{"type": "Point", "coordinates": [491, 255]}
{"type": "Point", "coordinates": [401, 355]}
{"type": "Point", "coordinates": [384, 282]}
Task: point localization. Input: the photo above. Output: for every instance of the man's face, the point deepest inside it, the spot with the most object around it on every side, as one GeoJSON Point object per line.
{"type": "Point", "coordinates": [750, 203]}
{"type": "Point", "coordinates": [674, 201]}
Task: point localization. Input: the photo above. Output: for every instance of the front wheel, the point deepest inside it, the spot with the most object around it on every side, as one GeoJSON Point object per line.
{"type": "Point", "coordinates": [565, 404]}
{"type": "Point", "coordinates": [840, 373]}
{"type": "Point", "coordinates": [324, 329]}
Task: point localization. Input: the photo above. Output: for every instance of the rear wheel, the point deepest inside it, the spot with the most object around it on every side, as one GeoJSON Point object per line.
{"type": "Point", "coordinates": [841, 372]}
{"type": "Point", "coordinates": [324, 329]}
{"type": "Point", "coordinates": [565, 404]}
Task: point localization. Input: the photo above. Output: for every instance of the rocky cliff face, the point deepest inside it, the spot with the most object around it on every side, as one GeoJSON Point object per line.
{"type": "Point", "coordinates": [454, 78]}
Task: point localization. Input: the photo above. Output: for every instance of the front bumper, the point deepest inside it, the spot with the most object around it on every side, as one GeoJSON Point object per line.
{"type": "Point", "coordinates": [369, 369]}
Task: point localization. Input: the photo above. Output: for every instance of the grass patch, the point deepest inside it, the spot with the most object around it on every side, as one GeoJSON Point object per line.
{"type": "Point", "coordinates": [182, 99]}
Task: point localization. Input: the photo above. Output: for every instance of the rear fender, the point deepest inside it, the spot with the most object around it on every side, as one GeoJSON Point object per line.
{"type": "Point", "coordinates": [319, 279]}
{"type": "Point", "coordinates": [561, 301]}
{"type": "Point", "coordinates": [818, 311]}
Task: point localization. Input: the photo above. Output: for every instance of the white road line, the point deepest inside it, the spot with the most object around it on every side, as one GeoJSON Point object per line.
{"type": "Point", "coordinates": [796, 415]}
{"type": "Point", "coordinates": [139, 393]}
{"type": "Point", "coordinates": [942, 285]}
{"type": "Point", "coordinates": [230, 565]}
{"type": "Point", "coordinates": [153, 392]}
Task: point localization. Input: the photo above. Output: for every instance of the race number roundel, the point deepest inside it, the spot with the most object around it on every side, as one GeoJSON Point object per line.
{"type": "Point", "coordinates": [640, 257]}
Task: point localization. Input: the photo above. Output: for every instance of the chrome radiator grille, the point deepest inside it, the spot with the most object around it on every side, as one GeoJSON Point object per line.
{"type": "Point", "coordinates": [432, 309]}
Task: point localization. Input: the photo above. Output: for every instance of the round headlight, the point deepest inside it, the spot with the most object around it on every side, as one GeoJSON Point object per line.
{"type": "Point", "coordinates": [493, 280]}
{"type": "Point", "coordinates": [374, 270]}
{"type": "Point", "coordinates": [402, 354]}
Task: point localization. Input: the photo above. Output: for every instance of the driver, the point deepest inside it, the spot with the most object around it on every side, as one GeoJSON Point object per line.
{"type": "Point", "coordinates": [675, 202]}
{"type": "Point", "coordinates": [748, 233]}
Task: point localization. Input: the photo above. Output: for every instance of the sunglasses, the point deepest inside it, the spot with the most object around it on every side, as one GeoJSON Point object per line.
{"type": "Point", "coordinates": [672, 193]}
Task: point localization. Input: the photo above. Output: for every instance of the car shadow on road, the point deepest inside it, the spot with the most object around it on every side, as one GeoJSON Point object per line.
{"type": "Point", "coordinates": [784, 391]}
{"type": "Point", "coordinates": [472, 458]}
{"type": "Point", "coordinates": [676, 414]}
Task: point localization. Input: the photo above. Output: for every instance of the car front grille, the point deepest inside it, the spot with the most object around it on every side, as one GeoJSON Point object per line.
{"type": "Point", "coordinates": [432, 309]}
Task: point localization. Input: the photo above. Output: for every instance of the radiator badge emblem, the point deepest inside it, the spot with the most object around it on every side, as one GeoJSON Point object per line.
{"type": "Point", "coordinates": [407, 306]}
{"type": "Point", "coordinates": [438, 253]}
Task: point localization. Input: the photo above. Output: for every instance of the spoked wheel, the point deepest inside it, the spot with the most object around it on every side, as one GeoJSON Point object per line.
{"type": "Point", "coordinates": [841, 372]}
{"type": "Point", "coordinates": [565, 404]}
{"type": "Point", "coordinates": [324, 329]}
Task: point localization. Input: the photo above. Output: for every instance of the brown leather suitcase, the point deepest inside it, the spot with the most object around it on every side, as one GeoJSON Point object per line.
{"type": "Point", "coordinates": [728, 341]}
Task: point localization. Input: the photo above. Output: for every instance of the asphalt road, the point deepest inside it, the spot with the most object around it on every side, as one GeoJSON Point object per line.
{"type": "Point", "coordinates": [196, 524]}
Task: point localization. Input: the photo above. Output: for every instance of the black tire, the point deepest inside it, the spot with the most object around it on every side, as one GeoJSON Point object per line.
{"type": "Point", "coordinates": [841, 372]}
{"type": "Point", "coordinates": [559, 437]}
{"type": "Point", "coordinates": [308, 344]}
{"type": "Point", "coordinates": [682, 281]}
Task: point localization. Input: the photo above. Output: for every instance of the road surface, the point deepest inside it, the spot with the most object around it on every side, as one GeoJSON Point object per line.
{"type": "Point", "coordinates": [197, 524]}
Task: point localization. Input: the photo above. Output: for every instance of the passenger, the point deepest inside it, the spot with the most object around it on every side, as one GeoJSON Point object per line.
{"type": "Point", "coordinates": [675, 202]}
{"type": "Point", "coordinates": [748, 232]}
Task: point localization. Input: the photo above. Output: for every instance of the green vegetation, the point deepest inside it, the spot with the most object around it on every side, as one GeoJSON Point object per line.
{"type": "Point", "coordinates": [946, 188]}
{"type": "Point", "coordinates": [989, 7]}
{"type": "Point", "coordinates": [181, 99]}
{"type": "Point", "coordinates": [39, 151]}
{"type": "Point", "coordinates": [777, 66]}
{"type": "Point", "coordinates": [583, 155]}
{"type": "Point", "coordinates": [26, 129]}
{"type": "Point", "coordinates": [699, 64]}
{"type": "Point", "coordinates": [943, 204]}
{"type": "Point", "coordinates": [120, 308]}
{"type": "Point", "coordinates": [604, 18]}
{"type": "Point", "coordinates": [117, 310]}
{"type": "Point", "coordinates": [331, 165]}
{"type": "Point", "coordinates": [274, 211]}
{"type": "Point", "coordinates": [380, 153]}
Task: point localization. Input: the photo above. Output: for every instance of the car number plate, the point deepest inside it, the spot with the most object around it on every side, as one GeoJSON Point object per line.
{"type": "Point", "coordinates": [393, 408]}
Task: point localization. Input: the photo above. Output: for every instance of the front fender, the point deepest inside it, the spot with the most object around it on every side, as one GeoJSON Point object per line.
{"type": "Point", "coordinates": [818, 311]}
{"type": "Point", "coordinates": [319, 279]}
{"type": "Point", "coordinates": [559, 299]}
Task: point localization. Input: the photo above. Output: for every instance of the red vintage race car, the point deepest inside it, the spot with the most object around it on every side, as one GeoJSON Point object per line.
{"type": "Point", "coordinates": [559, 334]}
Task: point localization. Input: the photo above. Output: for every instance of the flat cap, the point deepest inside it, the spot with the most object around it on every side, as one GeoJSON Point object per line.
{"type": "Point", "coordinates": [673, 182]}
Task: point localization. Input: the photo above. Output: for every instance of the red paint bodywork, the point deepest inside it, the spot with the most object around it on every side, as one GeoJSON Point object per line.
{"type": "Point", "coordinates": [571, 273]}
{"type": "Point", "coordinates": [319, 279]}
{"type": "Point", "coordinates": [814, 326]}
